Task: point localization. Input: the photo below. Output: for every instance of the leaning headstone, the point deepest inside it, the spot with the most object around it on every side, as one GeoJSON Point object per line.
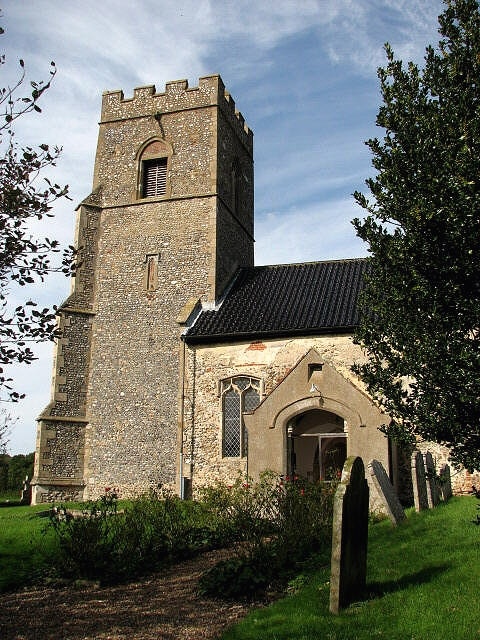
{"type": "Point", "coordinates": [433, 493]}
{"type": "Point", "coordinates": [386, 492]}
{"type": "Point", "coordinates": [419, 482]}
{"type": "Point", "coordinates": [349, 536]}
{"type": "Point", "coordinates": [445, 480]}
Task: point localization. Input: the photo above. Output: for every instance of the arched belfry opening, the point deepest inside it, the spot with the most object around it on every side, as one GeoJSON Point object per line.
{"type": "Point", "coordinates": [154, 160]}
{"type": "Point", "coordinates": [316, 445]}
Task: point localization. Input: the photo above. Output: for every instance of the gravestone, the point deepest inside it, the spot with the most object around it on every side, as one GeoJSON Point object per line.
{"type": "Point", "coordinates": [446, 482]}
{"type": "Point", "coordinates": [386, 492]}
{"type": "Point", "coordinates": [26, 494]}
{"type": "Point", "coordinates": [433, 493]}
{"type": "Point", "coordinates": [349, 536]}
{"type": "Point", "coordinates": [419, 482]}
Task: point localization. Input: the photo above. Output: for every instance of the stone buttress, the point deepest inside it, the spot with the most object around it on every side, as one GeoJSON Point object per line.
{"type": "Point", "coordinates": [170, 219]}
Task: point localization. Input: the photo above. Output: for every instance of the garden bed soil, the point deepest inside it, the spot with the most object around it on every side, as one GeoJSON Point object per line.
{"type": "Point", "coordinates": [163, 606]}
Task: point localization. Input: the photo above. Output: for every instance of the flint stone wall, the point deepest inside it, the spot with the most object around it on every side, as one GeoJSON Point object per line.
{"type": "Point", "coordinates": [121, 373]}
{"type": "Point", "coordinates": [271, 361]}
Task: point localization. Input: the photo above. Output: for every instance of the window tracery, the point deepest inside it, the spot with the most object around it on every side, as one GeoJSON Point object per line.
{"type": "Point", "coordinates": [239, 394]}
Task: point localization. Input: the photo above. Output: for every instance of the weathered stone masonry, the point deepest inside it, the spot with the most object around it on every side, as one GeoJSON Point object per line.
{"type": "Point", "coordinates": [61, 432]}
{"type": "Point", "coordinates": [113, 415]}
{"type": "Point", "coordinates": [136, 399]}
{"type": "Point", "coordinates": [272, 361]}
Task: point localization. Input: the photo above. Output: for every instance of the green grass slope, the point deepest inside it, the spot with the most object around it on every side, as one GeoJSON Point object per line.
{"type": "Point", "coordinates": [26, 547]}
{"type": "Point", "coordinates": [423, 582]}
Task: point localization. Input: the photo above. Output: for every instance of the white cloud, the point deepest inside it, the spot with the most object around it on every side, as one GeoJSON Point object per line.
{"type": "Point", "coordinates": [303, 74]}
{"type": "Point", "coordinates": [362, 27]}
{"type": "Point", "coordinates": [318, 232]}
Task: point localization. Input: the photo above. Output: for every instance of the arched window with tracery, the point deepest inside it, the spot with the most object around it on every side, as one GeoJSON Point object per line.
{"type": "Point", "coordinates": [239, 394]}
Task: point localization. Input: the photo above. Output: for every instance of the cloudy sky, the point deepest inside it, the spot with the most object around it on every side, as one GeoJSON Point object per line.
{"type": "Point", "coordinates": [303, 74]}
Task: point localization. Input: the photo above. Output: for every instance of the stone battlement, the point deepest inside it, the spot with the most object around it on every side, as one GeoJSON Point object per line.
{"type": "Point", "coordinates": [178, 96]}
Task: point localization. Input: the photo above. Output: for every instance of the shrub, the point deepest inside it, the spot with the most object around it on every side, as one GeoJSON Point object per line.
{"type": "Point", "coordinates": [244, 511]}
{"type": "Point", "coordinates": [276, 525]}
{"type": "Point", "coordinates": [304, 521]}
{"type": "Point", "coordinates": [273, 526]}
{"type": "Point", "coordinates": [111, 545]}
{"type": "Point", "coordinates": [243, 576]}
{"type": "Point", "coordinates": [87, 542]}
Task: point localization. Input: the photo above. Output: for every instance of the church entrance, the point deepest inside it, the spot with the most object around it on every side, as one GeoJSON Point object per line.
{"type": "Point", "coordinates": [311, 421]}
{"type": "Point", "coordinates": [316, 445]}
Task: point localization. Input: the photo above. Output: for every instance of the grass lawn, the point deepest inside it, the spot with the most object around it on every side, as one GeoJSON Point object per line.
{"type": "Point", "coordinates": [7, 497]}
{"type": "Point", "coordinates": [25, 546]}
{"type": "Point", "coordinates": [422, 582]}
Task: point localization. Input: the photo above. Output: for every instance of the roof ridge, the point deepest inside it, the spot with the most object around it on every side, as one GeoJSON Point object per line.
{"type": "Point", "coordinates": [308, 262]}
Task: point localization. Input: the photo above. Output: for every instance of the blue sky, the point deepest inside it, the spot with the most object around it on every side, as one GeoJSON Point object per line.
{"type": "Point", "coordinates": [302, 73]}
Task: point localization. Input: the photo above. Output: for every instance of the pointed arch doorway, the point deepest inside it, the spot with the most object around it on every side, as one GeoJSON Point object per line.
{"type": "Point", "coordinates": [316, 445]}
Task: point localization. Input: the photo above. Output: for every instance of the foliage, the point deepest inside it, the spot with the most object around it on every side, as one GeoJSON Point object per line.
{"type": "Point", "coordinates": [244, 510]}
{"type": "Point", "coordinates": [87, 543]}
{"type": "Point", "coordinates": [413, 590]}
{"type": "Point", "coordinates": [421, 304]}
{"type": "Point", "coordinates": [272, 526]}
{"type": "Point", "coordinates": [276, 524]}
{"type": "Point", "coordinates": [304, 521]}
{"type": "Point", "coordinates": [14, 469]}
{"type": "Point", "coordinates": [240, 577]}
{"type": "Point", "coordinates": [109, 544]}
{"type": "Point", "coordinates": [24, 259]}
{"type": "Point", "coordinates": [159, 527]}
{"type": "Point", "coordinates": [6, 422]}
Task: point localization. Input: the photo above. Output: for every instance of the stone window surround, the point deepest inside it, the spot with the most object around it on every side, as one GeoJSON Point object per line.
{"type": "Point", "coordinates": [150, 278]}
{"type": "Point", "coordinates": [151, 150]}
{"type": "Point", "coordinates": [232, 384]}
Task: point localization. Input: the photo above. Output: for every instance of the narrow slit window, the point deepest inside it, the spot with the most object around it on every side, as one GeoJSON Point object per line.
{"type": "Point", "coordinates": [154, 177]}
{"type": "Point", "coordinates": [151, 272]}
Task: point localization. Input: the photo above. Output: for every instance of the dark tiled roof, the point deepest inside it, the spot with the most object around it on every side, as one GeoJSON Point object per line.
{"type": "Point", "coordinates": [280, 300]}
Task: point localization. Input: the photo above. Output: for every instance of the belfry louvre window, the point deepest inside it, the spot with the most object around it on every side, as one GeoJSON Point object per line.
{"type": "Point", "coordinates": [154, 177]}
{"type": "Point", "coordinates": [239, 394]}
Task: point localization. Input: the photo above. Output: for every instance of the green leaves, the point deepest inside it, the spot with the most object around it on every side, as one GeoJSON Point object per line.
{"type": "Point", "coordinates": [421, 305]}
{"type": "Point", "coordinates": [25, 259]}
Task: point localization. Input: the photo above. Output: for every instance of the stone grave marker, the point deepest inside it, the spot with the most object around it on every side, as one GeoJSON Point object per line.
{"type": "Point", "coordinates": [446, 482]}
{"type": "Point", "coordinates": [349, 536]}
{"type": "Point", "coordinates": [26, 493]}
{"type": "Point", "coordinates": [386, 492]}
{"type": "Point", "coordinates": [419, 481]}
{"type": "Point", "coordinates": [433, 493]}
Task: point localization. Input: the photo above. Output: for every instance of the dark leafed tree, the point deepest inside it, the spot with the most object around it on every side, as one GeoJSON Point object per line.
{"type": "Point", "coordinates": [421, 306]}
{"type": "Point", "coordinates": [25, 197]}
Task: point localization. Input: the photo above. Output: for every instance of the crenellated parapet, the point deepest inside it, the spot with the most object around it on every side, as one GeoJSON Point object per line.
{"type": "Point", "coordinates": [178, 96]}
{"type": "Point", "coordinates": [170, 217]}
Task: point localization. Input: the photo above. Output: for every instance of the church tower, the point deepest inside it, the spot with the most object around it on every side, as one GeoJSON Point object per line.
{"type": "Point", "coordinates": [167, 225]}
